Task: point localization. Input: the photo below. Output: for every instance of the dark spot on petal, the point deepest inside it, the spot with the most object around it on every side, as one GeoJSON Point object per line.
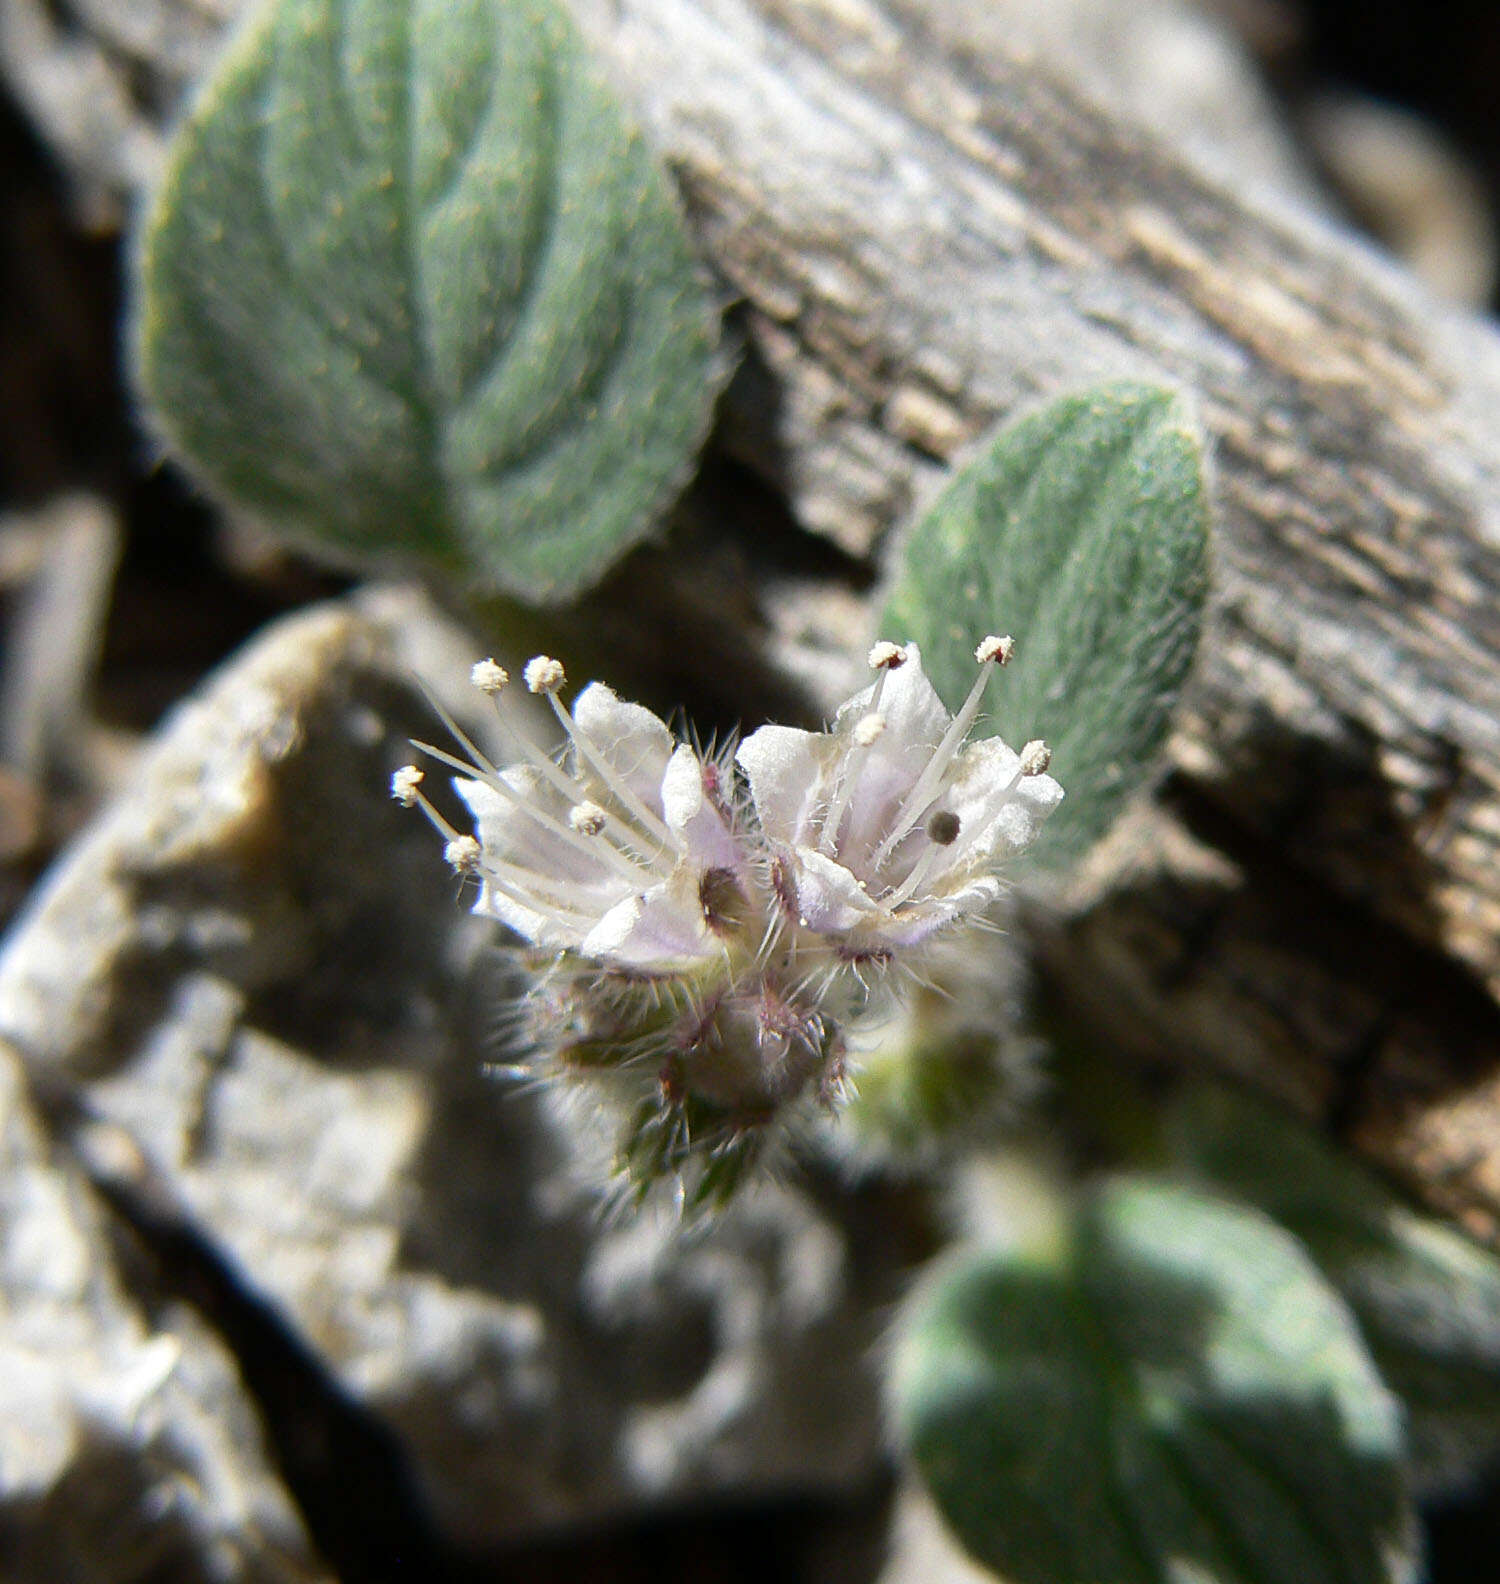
{"type": "Point", "coordinates": [725, 906]}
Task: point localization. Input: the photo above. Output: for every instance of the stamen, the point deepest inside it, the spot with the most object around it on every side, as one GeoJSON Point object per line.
{"type": "Point", "coordinates": [943, 827]}
{"type": "Point", "coordinates": [439, 824]}
{"type": "Point", "coordinates": [535, 754]}
{"type": "Point", "coordinates": [884, 658]}
{"type": "Point", "coordinates": [543, 674]}
{"type": "Point", "coordinates": [867, 730]}
{"type": "Point", "coordinates": [462, 855]}
{"type": "Point", "coordinates": [992, 652]}
{"type": "Point", "coordinates": [620, 861]}
{"type": "Point", "coordinates": [477, 761]}
{"type": "Point", "coordinates": [607, 773]}
{"type": "Point", "coordinates": [588, 819]}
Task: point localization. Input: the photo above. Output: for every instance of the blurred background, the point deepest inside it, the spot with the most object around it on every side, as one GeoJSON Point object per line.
{"type": "Point", "coordinates": [1387, 111]}
{"type": "Point", "coordinates": [119, 589]}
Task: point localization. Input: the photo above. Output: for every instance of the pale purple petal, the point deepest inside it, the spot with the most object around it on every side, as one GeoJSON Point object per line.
{"type": "Point", "coordinates": [660, 929]}
{"type": "Point", "coordinates": [915, 721]}
{"type": "Point", "coordinates": [693, 816]}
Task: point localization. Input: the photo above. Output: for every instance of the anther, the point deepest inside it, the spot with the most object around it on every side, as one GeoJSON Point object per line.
{"type": "Point", "coordinates": [404, 784]}
{"type": "Point", "coordinates": [489, 677]}
{"type": "Point", "coordinates": [1035, 757]}
{"type": "Point", "coordinates": [462, 855]}
{"type": "Point", "coordinates": [943, 827]}
{"type": "Point", "coordinates": [588, 819]}
{"type": "Point", "coordinates": [543, 674]}
{"type": "Point", "coordinates": [997, 649]}
{"type": "Point", "coordinates": [867, 729]}
{"type": "Point", "coordinates": [886, 656]}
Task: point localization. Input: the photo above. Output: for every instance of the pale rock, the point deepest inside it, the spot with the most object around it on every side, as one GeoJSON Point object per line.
{"type": "Point", "coordinates": [257, 967]}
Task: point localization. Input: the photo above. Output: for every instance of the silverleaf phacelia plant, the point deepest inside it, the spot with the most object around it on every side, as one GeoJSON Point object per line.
{"type": "Point", "coordinates": [705, 927]}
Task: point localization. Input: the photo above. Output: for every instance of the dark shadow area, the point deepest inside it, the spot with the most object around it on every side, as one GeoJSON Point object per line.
{"type": "Point", "coordinates": [1463, 1533]}
{"type": "Point", "coordinates": [1438, 62]}
{"type": "Point", "coordinates": [61, 423]}
{"type": "Point", "coordinates": [1442, 61]}
{"type": "Point", "coordinates": [178, 607]}
{"type": "Point", "coordinates": [1334, 876]}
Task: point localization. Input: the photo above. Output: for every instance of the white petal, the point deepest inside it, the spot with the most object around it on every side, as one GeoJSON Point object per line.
{"type": "Point", "coordinates": [634, 742]}
{"type": "Point", "coordinates": [691, 814]}
{"type": "Point", "coordinates": [1020, 822]}
{"type": "Point", "coordinates": [915, 721]}
{"type": "Point", "coordinates": [787, 770]}
{"type": "Point", "coordinates": [913, 711]}
{"type": "Point", "coordinates": [978, 786]}
{"type": "Point", "coordinates": [918, 921]}
{"type": "Point", "coordinates": [540, 929]}
{"type": "Point", "coordinates": [998, 819]}
{"type": "Point", "coordinates": [830, 900]}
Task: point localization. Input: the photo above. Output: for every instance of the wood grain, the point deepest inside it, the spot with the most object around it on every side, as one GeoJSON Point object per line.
{"type": "Point", "coordinates": [922, 242]}
{"type": "Point", "coordinates": [918, 239]}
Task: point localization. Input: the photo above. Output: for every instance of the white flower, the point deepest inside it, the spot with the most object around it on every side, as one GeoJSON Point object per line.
{"type": "Point", "coordinates": [887, 828]}
{"type": "Point", "coordinates": [616, 852]}
{"type": "Point", "coordinates": [711, 963]}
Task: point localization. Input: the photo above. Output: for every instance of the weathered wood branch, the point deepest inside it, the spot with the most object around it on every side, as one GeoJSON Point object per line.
{"type": "Point", "coordinates": [924, 242]}
{"type": "Point", "coordinates": [921, 240]}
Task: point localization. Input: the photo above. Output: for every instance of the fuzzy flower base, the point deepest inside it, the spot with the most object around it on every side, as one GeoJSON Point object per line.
{"type": "Point", "coordinates": [704, 928]}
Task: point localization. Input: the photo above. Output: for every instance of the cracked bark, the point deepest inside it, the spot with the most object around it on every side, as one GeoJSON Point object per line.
{"type": "Point", "coordinates": [920, 240]}
{"type": "Point", "coordinates": [923, 241]}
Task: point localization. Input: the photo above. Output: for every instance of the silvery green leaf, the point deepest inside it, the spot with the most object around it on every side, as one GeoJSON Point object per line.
{"type": "Point", "coordinates": [1171, 1393]}
{"type": "Point", "coordinates": [412, 289]}
{"type": "Point", "coordinates": [1082, 530]}
{"type": "Point", "coordinates": [1425, 1296]}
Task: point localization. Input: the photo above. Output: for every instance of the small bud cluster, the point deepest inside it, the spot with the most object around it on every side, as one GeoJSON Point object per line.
{"type": "Point", "coordinates": [706, 927]}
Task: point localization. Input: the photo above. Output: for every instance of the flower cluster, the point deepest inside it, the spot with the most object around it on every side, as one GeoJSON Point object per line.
{"type": "Point", "coordinates": [705, 927]}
